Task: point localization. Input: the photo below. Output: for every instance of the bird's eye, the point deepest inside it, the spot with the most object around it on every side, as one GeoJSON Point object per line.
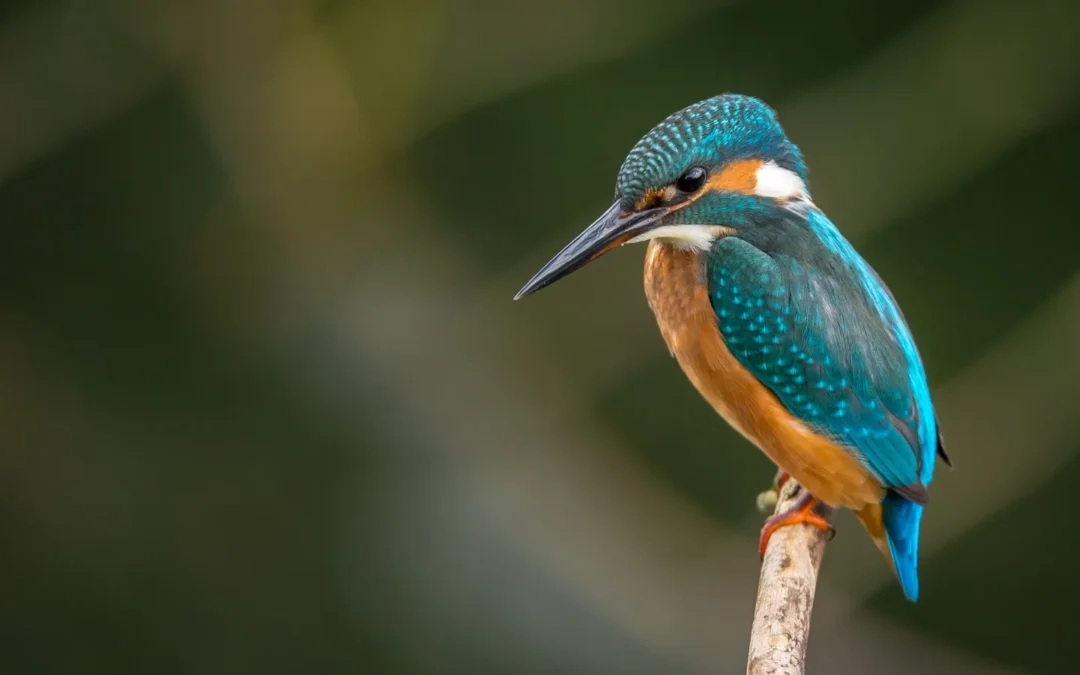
{"type": "Point", "coordinates": [691, 180]}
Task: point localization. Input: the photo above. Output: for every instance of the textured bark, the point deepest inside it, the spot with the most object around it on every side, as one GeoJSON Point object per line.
{"type": "Point", "coordinates": [786, 593]}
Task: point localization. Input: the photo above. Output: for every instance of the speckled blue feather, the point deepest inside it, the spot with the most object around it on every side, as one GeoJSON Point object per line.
{"type": "Point", "coordinates": [814, 323]}
{"type": "Point", "coordinates": [836, 353]}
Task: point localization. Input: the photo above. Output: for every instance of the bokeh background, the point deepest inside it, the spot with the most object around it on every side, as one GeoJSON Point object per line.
{"type": "Point", "coordinates": [266, 405]}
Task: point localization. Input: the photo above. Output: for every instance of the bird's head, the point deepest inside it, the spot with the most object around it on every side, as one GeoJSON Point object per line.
{"type": "Point", "coordinates": [713, 168]}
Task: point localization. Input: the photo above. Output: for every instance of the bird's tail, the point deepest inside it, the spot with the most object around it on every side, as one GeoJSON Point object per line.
{"type": "Point", "coordinates": [894, 526]}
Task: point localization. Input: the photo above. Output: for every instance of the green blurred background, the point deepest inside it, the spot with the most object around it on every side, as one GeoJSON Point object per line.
{"type": "Point", "coordinates": [266, 405]}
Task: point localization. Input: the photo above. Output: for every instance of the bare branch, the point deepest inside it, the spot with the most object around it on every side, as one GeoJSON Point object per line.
{"type": "Point", "coordinates": [786, 592]}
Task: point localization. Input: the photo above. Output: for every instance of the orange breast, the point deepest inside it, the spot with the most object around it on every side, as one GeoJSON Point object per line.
{"type": "Point", "coordinates": [677, 294]}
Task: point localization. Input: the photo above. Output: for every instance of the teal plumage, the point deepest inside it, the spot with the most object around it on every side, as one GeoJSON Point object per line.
{"type": "Point", "coordinates": [817, 328]}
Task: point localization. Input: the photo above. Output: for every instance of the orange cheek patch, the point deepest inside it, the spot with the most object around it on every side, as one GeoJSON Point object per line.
{"type": "Point", "coordinates": [738, 176]}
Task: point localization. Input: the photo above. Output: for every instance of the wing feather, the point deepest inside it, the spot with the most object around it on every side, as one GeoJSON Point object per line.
{"type": "Point", "coordinates": [818, 343]}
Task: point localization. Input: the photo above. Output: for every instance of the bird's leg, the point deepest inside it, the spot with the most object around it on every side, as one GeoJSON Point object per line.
{"type": "Point", "coordinates": [782, 477]}
{"type": "Point", "coordinates": [801, 512]}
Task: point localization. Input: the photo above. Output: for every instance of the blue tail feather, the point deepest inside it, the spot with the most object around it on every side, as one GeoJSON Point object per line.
{"type": "Point", "coordinates": [902, 518]}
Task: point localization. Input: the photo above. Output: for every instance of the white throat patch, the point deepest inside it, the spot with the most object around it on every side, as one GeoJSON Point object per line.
{"type": "Point", "coordinates": [700, 237]}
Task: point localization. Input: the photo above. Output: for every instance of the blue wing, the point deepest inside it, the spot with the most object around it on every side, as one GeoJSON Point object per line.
{"type": "Point", "coordinates": [828, 340]}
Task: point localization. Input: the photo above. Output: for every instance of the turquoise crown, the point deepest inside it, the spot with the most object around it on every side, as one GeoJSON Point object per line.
{"type": "Point", "coordinates": [712, 132]}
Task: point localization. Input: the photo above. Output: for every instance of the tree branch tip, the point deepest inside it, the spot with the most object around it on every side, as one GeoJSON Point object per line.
{"type": "Point", "coordinates": [766, 501]}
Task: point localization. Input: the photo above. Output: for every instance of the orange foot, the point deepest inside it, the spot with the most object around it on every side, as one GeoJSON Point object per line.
{"type": "Point", "coordinates": [802, 512]}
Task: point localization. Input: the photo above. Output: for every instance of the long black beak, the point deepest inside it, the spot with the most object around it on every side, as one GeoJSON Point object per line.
{"type": "Point", "coordinates": [612, 228]}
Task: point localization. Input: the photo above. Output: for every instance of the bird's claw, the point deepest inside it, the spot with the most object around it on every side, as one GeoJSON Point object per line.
{"type": "Point", "coordinates": [802, 512]}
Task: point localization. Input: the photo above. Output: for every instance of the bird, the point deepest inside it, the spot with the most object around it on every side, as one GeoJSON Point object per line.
{"type": "Point", "coordinates": [775, 318]}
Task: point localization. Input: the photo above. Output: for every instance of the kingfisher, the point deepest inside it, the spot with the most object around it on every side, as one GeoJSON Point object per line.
{"type": "Point", "coordinates": [775, 318]}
